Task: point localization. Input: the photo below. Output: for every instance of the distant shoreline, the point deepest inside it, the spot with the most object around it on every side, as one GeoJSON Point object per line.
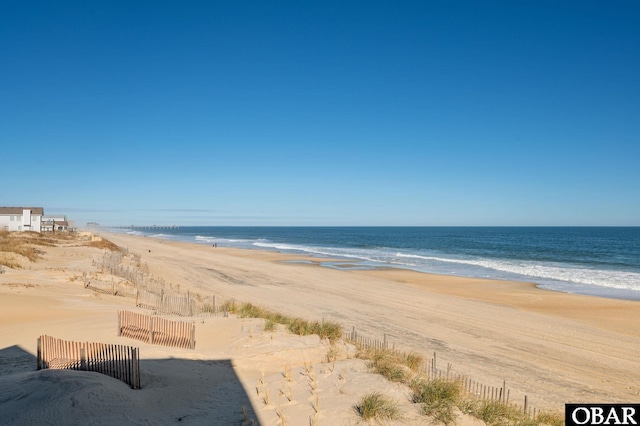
{"type": "Point", "coordinates": [545, 274]}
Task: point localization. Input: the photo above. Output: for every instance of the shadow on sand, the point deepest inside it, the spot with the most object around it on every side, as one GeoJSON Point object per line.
{"type": "Point", "coordinates": [14, 359]}
{"type": "Point", "coordinates": [174, 390]}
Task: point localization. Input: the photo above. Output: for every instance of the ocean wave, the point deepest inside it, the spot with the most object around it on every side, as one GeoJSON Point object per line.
{"type": "Point", "coordinates": [213, 239]}
{"type": "Point", "coordinates": [163, 236]}
{"type": "Point", "coordinates": [537, 272]}
{"type": "Point", "coordinates": [622, 280]}
{"type": "Point", "coordinates": [200, 238]}
{"type": "Point", "coordinates": [531, 271]}
{"type": "Point", "coordinates": [135, 233]}
{"type": "Point", "coordinates": [322, 251]}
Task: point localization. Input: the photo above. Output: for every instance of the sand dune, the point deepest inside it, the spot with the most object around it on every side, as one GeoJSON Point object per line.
{"type": "Point", "coordinates": [553, 347]}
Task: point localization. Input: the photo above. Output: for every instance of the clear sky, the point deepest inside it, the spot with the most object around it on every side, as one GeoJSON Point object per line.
{"type": "Point", "coordinates": [322, 112]}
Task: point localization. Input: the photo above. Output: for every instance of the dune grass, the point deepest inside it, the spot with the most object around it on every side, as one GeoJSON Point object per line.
{"type": "Point", "coordinates": [438, 398]}
{"type": "Point", "coordinates": [24, 245]}
{"type": "Point", "coordinates": [376, 406]}
{"type": "Point", "coordinates": [496, 413]}
{"type": "Point", "coordinates": [395, 366]}
{"type": "Point", "coordinates": [442, 400]}
{"type": "Point", "coordinates": [17, 245]}
{"type": "Point", "coordinates": [105, 244]}
{"type": "Point", "coordinates": [325, 329]}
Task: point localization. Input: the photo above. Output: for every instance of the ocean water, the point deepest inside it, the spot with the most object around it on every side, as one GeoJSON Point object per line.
{"type": "Point", "coordinates": [601, 261]}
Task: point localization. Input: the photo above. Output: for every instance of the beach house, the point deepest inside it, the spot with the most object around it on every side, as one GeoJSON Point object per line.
{"type": "Point", "coordinates": [21, 218]}
{"type": "Point", "coordinates": [53, 223]}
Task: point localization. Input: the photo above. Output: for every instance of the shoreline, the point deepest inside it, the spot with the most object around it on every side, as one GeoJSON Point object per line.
{"type": "Point", "coordinates": [616, 285]}
{"type": "Point", "coordinates": [516, 294]}
{"type": "Point", "coordinates": [585, 347]}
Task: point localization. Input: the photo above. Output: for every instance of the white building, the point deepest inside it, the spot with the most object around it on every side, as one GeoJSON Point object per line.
{"type": "Point", "coordinates": [21, 218]}
{"type": "Point", "coordinates": [52, 223]}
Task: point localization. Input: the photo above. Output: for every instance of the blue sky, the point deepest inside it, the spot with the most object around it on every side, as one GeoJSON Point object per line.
{"type": "Point", "coordinates": [322, 113]}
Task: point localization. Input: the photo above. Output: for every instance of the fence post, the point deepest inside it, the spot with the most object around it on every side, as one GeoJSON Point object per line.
{"type": "Point", "coordinates": [434, 364]}
{"type": "Point", "coordinates": [150, 329]}
{"type": "Point", "coordinates": [192, 343]}
{"type": "Point", "coordinates": [39, 362]}
{"type": "Point", "coordinates": [83, 358]}
{"type": "Point", "coordinates": [119, 323]}
{"type": "Point", "coordinates": [135, 370]}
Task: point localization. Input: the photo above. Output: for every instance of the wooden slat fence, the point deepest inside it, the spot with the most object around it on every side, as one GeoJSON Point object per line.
{"type": "Point", "coordinates": [148, 291]}
{"type": "Point", "coordinates": [156, 330]}
{"type": "Point", "coordinates": [478, 390]}
{"type": "Point", "coordinates": [186, 305]}
{"type": "Point", "coordinates": [113, 288]}
{"type": "Point", "coordinates": [166, 304]}
{"type": "Point", "coordinates": [117, 361]}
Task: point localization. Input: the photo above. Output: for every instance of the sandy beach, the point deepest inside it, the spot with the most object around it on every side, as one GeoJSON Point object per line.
{"type": "Point", "coordinates": [552, 347]}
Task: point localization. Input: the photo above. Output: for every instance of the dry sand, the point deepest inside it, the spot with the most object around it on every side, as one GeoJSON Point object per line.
{"type": "Point", "coordinates": [553, 347]}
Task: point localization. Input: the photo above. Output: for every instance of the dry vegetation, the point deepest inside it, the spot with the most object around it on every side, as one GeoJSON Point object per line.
{"type": "Point", "coordinates": [105, 244]}
{"type": "Point", "coordinates": [325, 329]}
{"type": "Point", "coordinates": [16, 247]}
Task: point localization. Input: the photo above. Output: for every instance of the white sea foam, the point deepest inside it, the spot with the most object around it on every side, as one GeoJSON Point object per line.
{"type": "Point", "coordinates": [163, 236]}
{"type": "Point", "coordinates": [226, 241]}
{"type": "Point", "coordinates": [550, 275]}
{"type": "Point", "coordinates": [323, 251]}
{"type": "Point", "coordinates": [548, 271]}
{"type": "Point", "coordinates": [135, 233]}
{"type": "Point", "coordinates": [201, 239]}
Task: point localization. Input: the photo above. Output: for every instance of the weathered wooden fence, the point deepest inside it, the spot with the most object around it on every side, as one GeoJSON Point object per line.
{"type": "Point", "coordinates": [186, 305]}
{"type": "Point", "coordinates": [117, 361]}
{"type": "Point", "coordinates": [167, 304]}
{"type": "Point", "coordinates": [113, 288]}
{"type": "Point", "coordinates": [149, 292]}
{"type": "Point", "coordinates": [157, 331]}
{"type": "Point", "coordinates": [478, 390]}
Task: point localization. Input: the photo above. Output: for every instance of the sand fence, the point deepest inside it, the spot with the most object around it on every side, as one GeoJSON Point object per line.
{"type": "Point", "coordinates": [117, 361]}
{"type": "Point", "coordinates": [499, 394]}
{"type": "Point", "coordinates": [156, 330]}
{"type": "Point", "coordinates": [184, 305]}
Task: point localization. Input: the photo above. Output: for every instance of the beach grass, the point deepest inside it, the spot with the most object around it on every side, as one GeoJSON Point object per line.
{"type": "Point", "coordinates": [23, 244]}
{"type": "Point", "coordinates": [496, 413]}
{"type": "Point", "coordinates": [395, 366]}
{"type": "Point", "coordinates": [442, 399]}
{"type": "Point", "coordinates": [325, 329]}
{"type": "Point", "coordinates": [438, 398]}
{"type": "Point", "coordinates": [376, 406]}
{"type": "Point", "coordinates": [105, 244]}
